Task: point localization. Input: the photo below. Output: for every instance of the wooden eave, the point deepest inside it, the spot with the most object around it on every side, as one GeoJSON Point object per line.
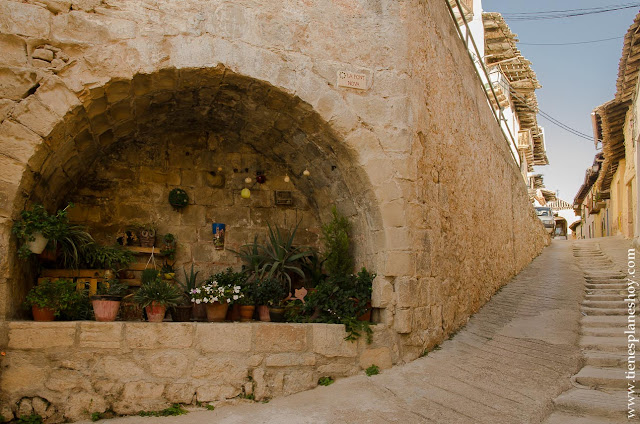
{"type": "Point", "coordinates": [629, 63]}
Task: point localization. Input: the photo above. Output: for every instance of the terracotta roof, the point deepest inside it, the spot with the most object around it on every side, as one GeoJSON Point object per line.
{"type": "Point", "coordinates": [501, 51]}
{"type": "Point", "coordinates": [629, 63]}
{"type": "Point", "coordinates": [590, 177]}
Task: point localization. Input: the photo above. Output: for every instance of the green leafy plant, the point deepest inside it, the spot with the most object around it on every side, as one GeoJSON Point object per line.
{"type": "Point", "coordinates": [251, 255]}
{"type": "Point", "coordinates": [189, 284]}
{"type": "Point", "coordinates": [58, 295]}
{"type": "Point", "coordinates": [337, 245]}
{"type": "Point", "coordinates": [56, 228]}
{"type": "Point", "coordinates": [169, 247]}
{"type": "Point", "coordinates": [149, 275]}
{"type": "Point", "coordinates": [372, 370]}
{"type": "Point", "coordinates": [342, 300]}
{"type": "Point", "coordinates": [167, 268]}
{"type": "Point", "coordinates": [96, 416]}
{"type": "Point", "coordinates": [175, 409]}
{"type": "Point", "coordinates": [159, 292]}
{"type": "Point", "coordinates": [210, 407]}
{"type": "Point", "coordinates": [95, 256]}
{"type": "Point", "coordinates": [325, 381]}
{"type": "Point", "coordinates": [29, 419]}
{"type": "Point", "coordinates": [112, 288]}
{"type": "Point", "coordinates": [270, 292]}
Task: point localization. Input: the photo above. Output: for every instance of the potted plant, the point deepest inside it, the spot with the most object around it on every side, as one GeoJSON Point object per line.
{"type": "Point", "coordinates": [168, 249]}
{"type": "Point", "coordinates": [269, 292]}
{"type": "Point", "coordinates": [50, 298]}
{"type": "Point", "coordinates": [231, 278]}
{"type": "Point", "coordinates": [36, 228]}
{"type": "Point", "coordinates": [216, 297]}
{"type": "Point", "coordinates": [183, 311]}
{"type": "Point", "coordinates": [106, 301]}
{"type": "Point", "coordinates": [248, 300]}
{"type": "Point", "coordinates": [95, 256]}
{"type": "Point", "coordinates": [156, 296]}
{"type": "Point", "coordinates": [167, 271]}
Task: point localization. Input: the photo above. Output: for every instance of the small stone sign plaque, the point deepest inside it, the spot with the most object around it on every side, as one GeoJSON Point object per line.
{"type": "Point", "coordinates": [352, 80]}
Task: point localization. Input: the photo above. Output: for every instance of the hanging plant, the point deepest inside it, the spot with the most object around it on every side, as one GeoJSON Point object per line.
{"type": "Point", "coordinates": [178, 198]}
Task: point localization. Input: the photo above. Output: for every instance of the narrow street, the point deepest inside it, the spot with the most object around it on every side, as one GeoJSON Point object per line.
{"type": "Point", "coordinates": [508, 365]}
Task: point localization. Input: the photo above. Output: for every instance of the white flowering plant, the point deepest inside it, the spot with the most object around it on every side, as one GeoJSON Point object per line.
{"type": "Point", "coordinates": [212, 291]}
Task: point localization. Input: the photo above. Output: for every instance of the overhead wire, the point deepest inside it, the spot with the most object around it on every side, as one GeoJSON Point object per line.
{"type": "Point", "coordinates": [571, 44]}
{"type": "Point", "coordinates": [568, 13]}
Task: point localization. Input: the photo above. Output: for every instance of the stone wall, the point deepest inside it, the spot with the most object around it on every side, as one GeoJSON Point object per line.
{"type": "Point", "coordinates": [415, 159]}
{"type": "Point", "coordinates": [67, 370]}
{"type": "Point", "coordinates": [130, 184]}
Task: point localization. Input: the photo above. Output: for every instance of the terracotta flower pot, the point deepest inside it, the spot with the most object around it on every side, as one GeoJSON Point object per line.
{"type": "Point", "coordinates": [276, 314]}
{"type": "Point", "coordinates": [155, 312]}
{"type": "Point", "coordinates": [263, 313]}
{"type": "Point", "coordinates": [199, 312]}
{"type": "Point", "coordinates": [246, 312]}
{"type": "Point", "coordinates": [105, 309]}
{"type": "Point", "coordinates": [367, 315]}
{"type": "Point", "coordinates": [216, 311]}
{"type": "Point", "coordinates": [181, 313]}
{"type": "Point", "coordinates": [233, 313]}
{"type": "Point", "coordinates": [43, 314]}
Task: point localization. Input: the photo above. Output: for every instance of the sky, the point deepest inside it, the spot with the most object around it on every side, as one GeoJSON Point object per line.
{"type": "Point", "coordinates": [575, 79]}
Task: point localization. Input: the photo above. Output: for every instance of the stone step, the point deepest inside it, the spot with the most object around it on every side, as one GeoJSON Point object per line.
{"type": "Point", "coordinates": [602, 331]}
{"type": "Point", "coordinates": [606, 304]}
{"type": "Point", "coordinates": [618, 287]}
{"type": "Point", "coordinates": [593, 403]}
{"type": "Point", "coordinates": [604, 321]}
{"type": "Point", "coordinates": [601, 359]}
{"type": "Point", "coordinates": [605, 344]}
{"type": "Point", "coordinates": [605, 294]}
{"type": "Point", "coordinates": [568, 418]}
{"type": "Point", "coordinates": [604, 311]}
{"type": "Point", "coordinates": [596, 377]}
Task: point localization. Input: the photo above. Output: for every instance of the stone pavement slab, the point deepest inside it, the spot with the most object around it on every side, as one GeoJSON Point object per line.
{"type": "Point", "coordinates": [506, 366]}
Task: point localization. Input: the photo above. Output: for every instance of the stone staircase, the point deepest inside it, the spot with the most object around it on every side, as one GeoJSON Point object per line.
{"type": "Point", "coordinates": [600, 387]}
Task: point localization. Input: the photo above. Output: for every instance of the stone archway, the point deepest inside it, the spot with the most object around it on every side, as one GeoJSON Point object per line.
{"type": "Point", "coordinates": [65, 137]}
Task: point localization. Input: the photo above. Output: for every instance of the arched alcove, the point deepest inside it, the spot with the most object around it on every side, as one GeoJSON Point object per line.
{"type": "Point", "coordinates": [127, 142]}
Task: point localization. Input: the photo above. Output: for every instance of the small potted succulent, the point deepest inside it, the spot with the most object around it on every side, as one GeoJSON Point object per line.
{"type": "Point", "coordinates": [269, 292]}
{"type": "Point", "coordinates": [49, 298]}
{"type": "Point", "coordinates": [217, 298]}
{"type": "Point", "coordinates": [168, 249]}
{"type": "Point", "coordinates": [167, 271]}
{"type": "Point", "coordinates": [183, 311]}
{"type": "Point", "coordinates": [156, 296]}
{"type": "Point", "coordinates": [247, 301]}
{"type": "Point", "coordinates": [106, 301]}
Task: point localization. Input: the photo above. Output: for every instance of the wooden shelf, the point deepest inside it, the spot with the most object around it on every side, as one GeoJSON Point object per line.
{"type": "Point", "coordinates": [132, 282]}
{"type": "Point", "coordinates": [72, 273]}
{"type": "Point", "coordinates": [144, 250]}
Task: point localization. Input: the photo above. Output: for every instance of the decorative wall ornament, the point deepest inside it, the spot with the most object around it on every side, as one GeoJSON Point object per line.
{"type": "Point", "coordinates": [218, 230]}
{"type": "Point", "coordinates": [178, 198]}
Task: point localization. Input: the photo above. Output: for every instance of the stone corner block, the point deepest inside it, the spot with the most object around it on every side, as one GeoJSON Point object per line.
{"type": "Point", "coordinates": [223, 337]}
{"type": "Point", "coordinates": [106, 335]}
{"type": "Point", "coordinates": [279, 337]}
{"type": "Point", "coordinates": [403, 321]}
{"type": "Point", "coordinates": [380, 357]}
{"type": "Point", "coordinates": [328, 340]}
{"type": "Point", "coordinates": [146, 335]}
{"type": "Point", "coordinates": [38, 335]}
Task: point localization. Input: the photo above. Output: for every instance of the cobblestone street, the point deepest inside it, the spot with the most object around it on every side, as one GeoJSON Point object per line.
{"type": "Point", "coordinates": [507, 365]}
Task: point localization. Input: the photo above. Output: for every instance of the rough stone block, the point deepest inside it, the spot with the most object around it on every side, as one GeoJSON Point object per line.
{"type": "Point", "coordinates": [57, 97]}
{"type": "Point", "coordinates": [107, 335]}
{"type": "Point", "coordinates": [19, 143]}
{"type": "Point", "coordinates": [422, 318]}
{"type": "Point", "coordinates": [223, 337]}
{"type": "Point", "coordinates": [142, 390]}
{"type": "Point", "coordinates": [403, 321]}
{"type": "Point", "coordinates": [14, 50]}
{"type": "Point", "coordinates": [66, 381]}
{"type": "Point", "coordinates": [39, 335]}
{"type": "Point", "coordinates": [20, 376]}
{"type": "Point", "coordinates": [399, 263]}
{"type": "Point", "coordinates": [24, 19]}
{"type": "Point", "coordinates": [279, 337]}
{"type": "Point", "coordinates": [10, 170]}
{"type": "Point", "coordinates": [161, 335]}
{"type": "Point", "coordinates": [298, 381]}
{"type": "Point", "coordinates": [290, 360]}
{"type": "Point", "coordinates": [380, 357]}
{"type": "Point", "coordinates": [167, 364]}
{"type": "Point", "coordinates": [33, 114]}
{"type": "Point", "coordinates": [328, 340]}
{"type": "Point", "coordinates": [211, 392]}
{"type": "Point", "coordinates": [16, 83]}
{"type": "Point", "coordinates": [393, 214]}
{"type": "Point", "coordinates": [122, 368]}
{"type": "Point", "coordinates": [382, 295]}
{"type": "Point", "coordinates": [337, 369]}
{"type": "Point", "coordinates": [223, 368]}
{"type": "Point", "coordinates": [180, 393]}
{"type": "Point", "coordinates": [406, 291]}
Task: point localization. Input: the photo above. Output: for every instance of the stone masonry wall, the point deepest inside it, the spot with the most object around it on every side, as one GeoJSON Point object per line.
{"type": "Point", "coordinates": [131, 183]}
{"type": "Point", "coordinates": [415, 160]}
{"type": "Point", "coordinates": [67, 370]}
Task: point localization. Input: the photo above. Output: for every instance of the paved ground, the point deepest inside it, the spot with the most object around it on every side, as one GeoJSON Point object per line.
{"type": "Point", "coordinates": [507, 365]}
